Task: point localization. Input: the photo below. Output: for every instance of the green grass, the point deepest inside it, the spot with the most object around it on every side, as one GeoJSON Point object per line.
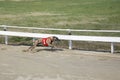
{"type": "Point", "coordinates": [75, 14]}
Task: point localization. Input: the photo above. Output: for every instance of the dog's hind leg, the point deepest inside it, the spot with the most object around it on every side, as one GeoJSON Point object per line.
{"type": "Point", "coordinates": [32, 47]}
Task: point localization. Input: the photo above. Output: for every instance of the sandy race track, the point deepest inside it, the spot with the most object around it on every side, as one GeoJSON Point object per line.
{"type": "Point", "coordinates": [58, 64]}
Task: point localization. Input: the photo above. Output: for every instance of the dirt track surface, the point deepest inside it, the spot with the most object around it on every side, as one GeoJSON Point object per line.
{"type": "Point", "coordinates": [58, 64]}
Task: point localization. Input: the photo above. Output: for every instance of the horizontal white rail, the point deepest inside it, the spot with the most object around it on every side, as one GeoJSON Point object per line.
{"type": "Point", "coordinates": [36, 28]}
{"type": "Point", "coordinates": [63, 37]}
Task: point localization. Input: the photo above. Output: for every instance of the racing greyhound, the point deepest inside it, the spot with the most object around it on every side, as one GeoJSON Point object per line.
{"type": "Point", "coordinates": [44, 42]}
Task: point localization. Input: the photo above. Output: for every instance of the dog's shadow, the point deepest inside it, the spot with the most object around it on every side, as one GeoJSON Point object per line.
{"type": "Point", "coordinates": [47, 49]}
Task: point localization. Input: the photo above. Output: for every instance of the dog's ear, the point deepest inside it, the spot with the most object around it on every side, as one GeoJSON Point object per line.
{"type": "Point", "coordinates": [56, 38]}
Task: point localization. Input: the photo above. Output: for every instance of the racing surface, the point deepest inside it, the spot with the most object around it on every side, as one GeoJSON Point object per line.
{"type": "Point", "coordinates": [58, 64]}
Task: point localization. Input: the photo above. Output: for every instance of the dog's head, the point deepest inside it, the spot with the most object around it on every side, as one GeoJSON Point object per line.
{"type": "Point", "coordinates": [56, 38]}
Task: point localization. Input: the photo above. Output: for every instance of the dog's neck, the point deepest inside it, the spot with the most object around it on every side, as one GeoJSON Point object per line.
{"type": "Point", "coordinates": [51, 38]}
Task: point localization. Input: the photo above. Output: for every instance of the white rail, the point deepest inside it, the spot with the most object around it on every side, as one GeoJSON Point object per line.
{"type": "Point", "coordinates": [66, 37]}
{"type": "Point", "coordinates": [54, 29]}
{"type": "Point", "coordinates": [63, 37]}
{"type": "Point", "coordinates": [69, 37]}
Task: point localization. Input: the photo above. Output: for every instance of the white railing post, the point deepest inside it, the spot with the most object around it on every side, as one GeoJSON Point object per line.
{"type": "Point", "coordinates": [70, 41]}
{"type": "Point", "coordinates": [6, 37]}
{"type": "Point", "coordinates": [112, 47]}
{"type": "Point", "coordinates": [33, 37]}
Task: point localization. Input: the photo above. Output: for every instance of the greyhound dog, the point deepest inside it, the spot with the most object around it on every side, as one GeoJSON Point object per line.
{"type": "Point", "coordinates": [44, 42]}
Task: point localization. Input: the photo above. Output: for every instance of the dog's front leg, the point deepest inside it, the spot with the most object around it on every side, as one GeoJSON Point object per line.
{"type": "Point", "coordinates": [51, 45]}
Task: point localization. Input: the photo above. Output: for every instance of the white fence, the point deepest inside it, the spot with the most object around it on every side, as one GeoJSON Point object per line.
{"type": "Point", "coordinates": [54, 29]}
{"type": "Point", "coordinates": [111, 40]}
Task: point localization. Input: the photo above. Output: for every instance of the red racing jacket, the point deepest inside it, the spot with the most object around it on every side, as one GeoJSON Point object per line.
{"type": "Point", "coordinates": [44, 41]}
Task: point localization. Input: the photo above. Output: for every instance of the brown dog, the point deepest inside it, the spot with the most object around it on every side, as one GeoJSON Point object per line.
{"type": "Point", "coordinates": [44, 42]}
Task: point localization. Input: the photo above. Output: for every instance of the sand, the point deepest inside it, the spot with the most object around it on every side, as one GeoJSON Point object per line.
{"type": "Point", "coordinates": [58, 64]}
